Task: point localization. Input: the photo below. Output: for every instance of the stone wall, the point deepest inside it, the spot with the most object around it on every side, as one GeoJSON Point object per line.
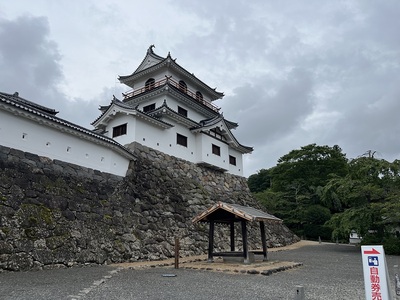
{"type": "Point", "coordinates": [54, 214]}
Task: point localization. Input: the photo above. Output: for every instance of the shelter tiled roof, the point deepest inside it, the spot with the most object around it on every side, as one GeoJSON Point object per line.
{"type": "Point", "coordinates": [224, 212]}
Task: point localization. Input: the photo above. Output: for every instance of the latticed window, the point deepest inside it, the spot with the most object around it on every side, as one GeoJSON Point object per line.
{"type": "Point", "coordinates": [216, 150]}
{"type": "Point", "coordinates": [119, 130]}
{"type": "Point", "coordinates": [181, 140]}
{"type": "Point", "coordinates": [149, 107]}
{"type": "Point", "coordinates": [232, 160]}
{"type": "Point", "coordinates": [182, 111]}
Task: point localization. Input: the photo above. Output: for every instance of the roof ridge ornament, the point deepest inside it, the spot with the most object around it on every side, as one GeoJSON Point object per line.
{"type": "Point", "coordinates": [150, 50]}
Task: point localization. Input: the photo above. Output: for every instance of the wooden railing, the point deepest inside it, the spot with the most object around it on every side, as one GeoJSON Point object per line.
{"type": "Point", "coordinates": [170, 81]}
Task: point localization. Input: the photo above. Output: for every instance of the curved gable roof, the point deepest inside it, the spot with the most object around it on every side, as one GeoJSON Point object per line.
{"type": "Point", "coordinates": [165, 110]}
{"type": "Point", "coordinates": [116, 106]}
{"type": "Point", "coordinates": [149, 60]}
{"type": "Point", "coordinates": [224, 127]}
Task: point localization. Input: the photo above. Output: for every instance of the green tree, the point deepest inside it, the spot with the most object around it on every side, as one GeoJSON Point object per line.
{"type": "Point", "coordinates": [295, 185]}
{"type": "Point", "coordinates": [318, 192]}
{"type": "Point", "coordinates": [366, 199]}
{"type": "Point", "coordinates": [259, 182]}
{"type": "Point", "coordinates": [305, 169]}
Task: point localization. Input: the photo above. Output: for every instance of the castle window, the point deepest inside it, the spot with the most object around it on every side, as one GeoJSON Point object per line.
{"type": "Point", "coordinates": [199, 96]}
{"type": "Point", "coordinates": [150, 83]}
{"type": "Point", "coordinates": [182, 86]}
{"type": "Point", "coordinates": [182, 111]}
{"type": "Point", "coordinates": [216, 150]}
{"type": "Point", "coordinates": [119, 130]}
{"type": "Point", "coordinates": [232, 160]}
{"type": "Point", "coordinates": [149, 107]}
{"type": "Point", "coordinates": [181, 140]}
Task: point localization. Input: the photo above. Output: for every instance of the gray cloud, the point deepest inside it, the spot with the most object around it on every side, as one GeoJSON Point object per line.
{"type": "Point", "coordinates": [29, 60]}
{"type": "Point", "coordinates": [294, 72]}
{"type": "Point", "coordinates": [271, 108]}
{"type": "Point", "coordinates": [30, 64]}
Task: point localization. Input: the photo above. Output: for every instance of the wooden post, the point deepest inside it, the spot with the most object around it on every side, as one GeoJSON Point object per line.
{"type": "Point", "coordinates": [177, 253]}
{"type": "Point", "coordinates": [263, 240]}
{"type": "Point", "coordinates": [211, 242]}
{"type": "Point", "coordinates": [244, 237]}
{"type": "Point", "coordinates": [232, 224]}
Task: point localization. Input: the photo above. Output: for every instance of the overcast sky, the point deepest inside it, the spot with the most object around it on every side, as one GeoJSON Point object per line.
{"type": "Point", "coordinates": [293, 72]}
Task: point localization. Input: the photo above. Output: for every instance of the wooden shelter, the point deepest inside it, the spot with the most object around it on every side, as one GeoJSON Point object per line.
{"type": "Point", "coordinates": [229, 214]}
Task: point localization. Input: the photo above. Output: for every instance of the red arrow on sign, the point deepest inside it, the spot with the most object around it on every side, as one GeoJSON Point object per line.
{"type": "Point", "coordinates": [373, 251]}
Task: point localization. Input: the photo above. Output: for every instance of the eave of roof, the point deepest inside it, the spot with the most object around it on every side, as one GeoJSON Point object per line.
{"type": "Point", "coordinates": [15, 97]}
{"type": "Point", "coordinates": [231, 125]}
{"type": "Point", "coordinates": [242, 212]}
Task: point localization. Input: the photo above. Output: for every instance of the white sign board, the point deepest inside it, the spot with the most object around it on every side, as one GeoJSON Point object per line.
{"type": "Point", "coordinates": [375, 273]}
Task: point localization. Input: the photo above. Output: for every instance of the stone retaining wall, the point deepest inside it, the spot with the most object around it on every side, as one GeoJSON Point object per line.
{"type": "Point", "coordinates": [54, 214]}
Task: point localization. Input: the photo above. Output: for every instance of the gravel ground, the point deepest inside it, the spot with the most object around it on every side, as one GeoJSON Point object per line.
{"type": "Point", "coordinates": [329, 271]}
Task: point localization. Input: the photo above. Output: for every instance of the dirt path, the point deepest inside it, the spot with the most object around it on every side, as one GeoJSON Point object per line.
{"type": "Point", "coordinates": [200, 263]}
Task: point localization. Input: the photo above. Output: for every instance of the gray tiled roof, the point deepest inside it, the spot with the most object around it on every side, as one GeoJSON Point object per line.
{"type": "Point", "coordinates": [226, 212]}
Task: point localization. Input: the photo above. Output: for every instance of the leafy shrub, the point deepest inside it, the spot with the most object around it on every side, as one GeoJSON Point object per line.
{"type": "Point", "coordinates": [390, 243]}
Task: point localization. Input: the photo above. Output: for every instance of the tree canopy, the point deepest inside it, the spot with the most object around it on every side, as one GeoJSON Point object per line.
{"type": "Point", "coordinates": [318, 192]}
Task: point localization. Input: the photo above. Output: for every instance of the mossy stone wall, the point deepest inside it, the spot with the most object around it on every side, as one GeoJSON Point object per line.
{"type": "Point", "coordinates": [54, 214]}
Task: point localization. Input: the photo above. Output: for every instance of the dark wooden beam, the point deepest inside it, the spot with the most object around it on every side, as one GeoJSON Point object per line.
{"type": "Point", "coordinates": [245, 248]}
{"type": "Point", "coordinates": [263, 240]}
{"type": "Point", "coordinates": [211, 242]}
{"type": "Point", "coordinates": [232, 226]}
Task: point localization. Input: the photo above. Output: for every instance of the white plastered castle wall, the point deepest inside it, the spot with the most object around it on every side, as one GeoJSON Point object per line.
{"type": "Point", "coordinates": [205, 155]}
{"type": "Point", "coordinates": [198, 150]}
{"type": "Point", "coordinates": [27, 135]}
{"type": "Point", "coordinates": [238, 168]}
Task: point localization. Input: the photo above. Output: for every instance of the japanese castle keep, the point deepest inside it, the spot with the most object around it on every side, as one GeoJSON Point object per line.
{"type": "Point", "coordinates": [122, 192]}
{"type": "Point", "coordinates": [171, 110]}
